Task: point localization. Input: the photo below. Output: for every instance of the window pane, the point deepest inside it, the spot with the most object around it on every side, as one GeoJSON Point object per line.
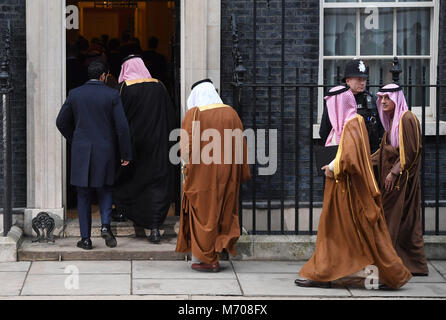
{"type": "Point", "coordinates": [415, 68]}
{"type": "Point", "coordinates": [412, 66]}
{"type": "Point", "coordinates": [377, 41]}
{"type": "Point", "coordinates": [334, 71]}
{"type": "Point", "coordinates": [413, 31]}
{"type": "Point", "coordinates": [340, 32]}
{"type": "Point", "coordinates": [375, 66]}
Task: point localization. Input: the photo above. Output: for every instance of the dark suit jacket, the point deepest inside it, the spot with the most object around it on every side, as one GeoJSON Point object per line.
{"type": "Point", "coordinates": [92, 120]}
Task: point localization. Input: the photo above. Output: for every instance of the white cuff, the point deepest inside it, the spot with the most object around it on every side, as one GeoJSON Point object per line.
{"type": "Point", "coordinates": [331, 165]}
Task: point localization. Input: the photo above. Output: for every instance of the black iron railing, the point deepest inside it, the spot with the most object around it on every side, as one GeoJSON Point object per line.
{"type": "Point", "coordinates": [5, 91]}
{"type": "Point", "coordinates": [286, 202]}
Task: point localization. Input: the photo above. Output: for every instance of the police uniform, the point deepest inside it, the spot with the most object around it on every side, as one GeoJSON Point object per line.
{"type": "Point", "coordinates": [366, 107]}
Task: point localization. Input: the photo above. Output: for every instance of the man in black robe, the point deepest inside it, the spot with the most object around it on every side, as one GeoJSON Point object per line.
{"type": "Point", "coordinates": [144, 190]}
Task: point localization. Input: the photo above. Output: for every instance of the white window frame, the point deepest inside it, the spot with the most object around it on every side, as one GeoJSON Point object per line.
{"type": "Point", "coordinates": [434, 38]}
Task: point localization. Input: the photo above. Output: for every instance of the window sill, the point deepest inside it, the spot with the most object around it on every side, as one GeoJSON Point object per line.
{"type": "Point", "coordinates": [430, 128]}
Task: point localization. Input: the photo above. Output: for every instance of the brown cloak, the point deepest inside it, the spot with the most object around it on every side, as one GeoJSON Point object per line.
{"type": "Point", "coordinates": [209, 219]}
{"type": "Point", "coordinates": [352, 231]}
{"type": "Point", "coordinates": [402, 205]}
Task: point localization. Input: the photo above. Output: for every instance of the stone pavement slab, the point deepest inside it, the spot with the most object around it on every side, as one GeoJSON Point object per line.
{"type": "Point", "coordinates": [11, 283]}
{"type": "Point", "coordinates": [187, 286]}
{"type": "Point", "coordinates": [270, 284]}
{"type": "Point", "coordinates": [22, 266]}
{"type": "Point", "coordinates": [98, 297]}
{"type": "Point", "coordinates": [267, 266]}
{"type": "Point", "coordinates": [440, 265]}
{"type": "Point", "coordinates": [178, 270]}
{"type": "Point", "coordinates": [98, 284]}
{"type": "Point", "coordinates": [434, 276]}
{"type": "Point", "coordinates": [426, 290]}
{"type": "Point", "coordinates": [84, 267]}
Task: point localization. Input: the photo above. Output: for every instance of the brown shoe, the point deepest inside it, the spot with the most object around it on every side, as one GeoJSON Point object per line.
{"type": "Point", "coordinates": [206, 267]}
{"type": "Point", "coordinates": [310, 283]}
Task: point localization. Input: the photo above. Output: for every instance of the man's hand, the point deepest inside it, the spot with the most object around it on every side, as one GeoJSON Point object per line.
{"type": "Point", "coordinates": [328, 172]}
{"type": "Point", "coordinates": [390, 181]}
{"type": "Point", "coordinates": [124, 163]}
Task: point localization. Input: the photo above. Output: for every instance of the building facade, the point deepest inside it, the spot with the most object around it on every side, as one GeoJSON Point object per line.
{"type": "Point", "coordinates": [280, 42]}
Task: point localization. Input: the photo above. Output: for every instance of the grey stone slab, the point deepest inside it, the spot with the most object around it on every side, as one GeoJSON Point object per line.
{"type": "Point", "coordinates": [440, 265]}
{"type": "Point", "coordinates": [267, 284]}
{"type": "Point", "coordinates": [268, 266]}
{"type": "Point", "coordinates": [434, 276]}
{"type": "Point", "coordinates": [434, 247]}
{"type": "Point", "coordinates": [96, 297]}
{"type": "Point", "coordinates": [84, 267]}
{"type": "Point", "coordinates": [11, 283]}
{"type": "Point", "coordinates": [22, 266]}
{"type": "Point", "coordinates": [426, 290]}
{"type": "Point", "coordinates": [178, 270]}
{"type": "Point", "coordinates": [98, 284]}
{"type": "Point", "coordinates": [186, 286]}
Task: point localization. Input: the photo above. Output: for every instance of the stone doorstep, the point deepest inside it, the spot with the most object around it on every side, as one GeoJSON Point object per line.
{"type": "Point", "coordinates": [128, 248]}
{"type": "Point", "coordinates": [10, 244]}
{"type": "Point", "coordinates": [120, 229]}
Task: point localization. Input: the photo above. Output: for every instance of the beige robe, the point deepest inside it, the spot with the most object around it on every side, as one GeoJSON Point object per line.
{"type": "Point", "coordinates": [402, 205]}
{"type": "Point", "coordinates": [209, 219]}
{"type": "Point", "coordinates": [352, 231]}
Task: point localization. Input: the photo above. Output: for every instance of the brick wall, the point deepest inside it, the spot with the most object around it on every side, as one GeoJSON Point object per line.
{"type": "Point", "coordinates": [14, 10]}
{"type": "Point", "coordinates": [301, 39]}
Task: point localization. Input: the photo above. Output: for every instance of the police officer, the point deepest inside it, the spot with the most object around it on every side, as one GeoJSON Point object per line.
{"type": "Point", "coordinates": [356, 75]}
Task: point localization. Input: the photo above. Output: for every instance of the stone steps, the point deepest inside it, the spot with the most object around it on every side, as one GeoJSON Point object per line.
{"type": "Point", "coordinates": [129, 248]}
{"type": "Point", "coordinates": [120, 229]}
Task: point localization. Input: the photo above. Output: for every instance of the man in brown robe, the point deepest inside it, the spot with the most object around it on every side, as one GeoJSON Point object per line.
{"type": "Point", "coordinates": [209, 220]}
{"type": "Point", "coordinates": [399, 160]}
{"type": "Point", "coordinates": [352, 233]}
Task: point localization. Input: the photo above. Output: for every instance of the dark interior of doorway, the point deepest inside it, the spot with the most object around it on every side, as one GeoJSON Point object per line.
{"type": "Point", "coordinates": [110, 30]}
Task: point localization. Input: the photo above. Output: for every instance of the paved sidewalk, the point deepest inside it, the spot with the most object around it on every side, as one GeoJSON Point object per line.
{"type": "Point", "coordinates": [175, 280]}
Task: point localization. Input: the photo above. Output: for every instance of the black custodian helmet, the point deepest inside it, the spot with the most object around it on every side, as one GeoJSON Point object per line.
{"type": "Point", "coordinates": [356, 69]}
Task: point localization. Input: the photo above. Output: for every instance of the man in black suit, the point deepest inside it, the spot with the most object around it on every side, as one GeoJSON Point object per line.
{"type": "Point", "coordinates": [91, 120]}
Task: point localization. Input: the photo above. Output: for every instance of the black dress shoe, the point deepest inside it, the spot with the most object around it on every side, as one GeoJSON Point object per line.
{"type": "Point", "coordinates": [420, 274]}
{"type": "Point", "coordinates": [85, 244]}
{"type": "Point", "coordinates": [206, 267]}
{"type": "Point", "coordinates": [107, 235]}
{"type": "Point", "coordinates": [155, 236]}
{"type": "Point", "coordinates": [310, 283]}
{"type": "Point", "coordinates": [383, 286]}
{"type": "Point", "coordinates": [117, 216]}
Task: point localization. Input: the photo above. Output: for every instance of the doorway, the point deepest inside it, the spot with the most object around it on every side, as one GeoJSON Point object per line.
{"type": "Point", "coordinates": [109, 31]}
